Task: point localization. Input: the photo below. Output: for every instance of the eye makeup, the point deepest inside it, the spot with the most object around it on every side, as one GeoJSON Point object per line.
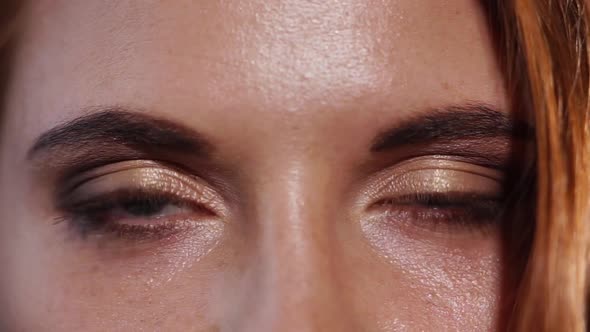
{"type": "Point", "coordinates": [137, 200]}
{"type": "Point", "coordinates": [440, 183]}
{"type": "Point", "coordinates": [436, 195]}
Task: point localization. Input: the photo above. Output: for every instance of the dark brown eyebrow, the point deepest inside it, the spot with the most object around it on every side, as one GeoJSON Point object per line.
{"type": "Point", "coordinates": [118, 126]}
{"type": "Point", "coordinates": [460, 122]}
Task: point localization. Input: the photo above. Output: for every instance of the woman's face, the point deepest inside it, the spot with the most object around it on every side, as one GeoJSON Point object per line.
{"type": "Point", "coordinates": [259, 165]}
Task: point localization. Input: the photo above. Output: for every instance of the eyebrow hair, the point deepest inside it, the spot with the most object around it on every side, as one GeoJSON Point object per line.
{"type": "Point", "coordinates": [118, 126]}
{"type": "Point", "coordinates": [470, 121]}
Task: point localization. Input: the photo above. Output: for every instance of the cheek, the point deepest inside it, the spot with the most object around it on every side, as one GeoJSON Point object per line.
{"type": "Point", "coordinates": [59, 282]}
{"type": "Point", "coordinates": [452, 282]}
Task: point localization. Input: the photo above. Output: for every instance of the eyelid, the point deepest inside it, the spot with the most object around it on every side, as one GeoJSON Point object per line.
{"type": "Point", "coordinates": [447, 162]}
{"type": "Point", "coordinates": [419, 175]}
{"type": "Point", "coordinates": [143, 175]}
{"type": "Point", "coordinates": [111, 168]}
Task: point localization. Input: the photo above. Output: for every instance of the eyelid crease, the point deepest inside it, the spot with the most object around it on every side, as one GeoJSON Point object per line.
{"type": "Point", "coordinates": [187, 187]}
{"type": "Point", "coordinates": [490, 175]}
{"type": "Point", "coordinates": [385, 180]}
{"type": "Point", "coordinates": [113, 168]}
{"type": "Point", "coordinates": [438, 160]}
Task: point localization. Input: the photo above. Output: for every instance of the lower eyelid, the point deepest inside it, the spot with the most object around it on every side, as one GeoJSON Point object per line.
{"type": "Point", "coordinates": [169, 231]}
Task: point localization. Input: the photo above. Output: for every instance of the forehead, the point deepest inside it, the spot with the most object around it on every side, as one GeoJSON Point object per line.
{"type": "Point", "coordinates": [286, 58]}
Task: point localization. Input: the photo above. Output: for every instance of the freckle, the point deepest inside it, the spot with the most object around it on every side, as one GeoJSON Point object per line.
{"type": "Point", "coordinates": [445, 85]}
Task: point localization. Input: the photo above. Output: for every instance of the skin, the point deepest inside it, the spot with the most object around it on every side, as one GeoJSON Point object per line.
{"type": "Point", "coordinates": [291, 95]}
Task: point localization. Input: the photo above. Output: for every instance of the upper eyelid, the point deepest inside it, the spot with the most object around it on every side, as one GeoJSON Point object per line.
{"type": "Point", "coordinates": [456, 166]}
{"type": "Point", "coordinates": [449, 163]}
{"type": "Point", "coordinates": [444, 160]}
{"type": "Point", "coordinates": [377, 184]}
{"type": "Point", "coordinates": [193, 188]}
{"type": "Point", "coordinates": [112, 168]}
{"type": "Point", "coordinates": [70, 184]}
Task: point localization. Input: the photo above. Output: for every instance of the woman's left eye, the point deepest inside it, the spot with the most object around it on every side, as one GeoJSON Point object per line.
{"type": "Point", "coordinates": [453, 210]}
{"type": "Point", "coordinates": [438, 195]}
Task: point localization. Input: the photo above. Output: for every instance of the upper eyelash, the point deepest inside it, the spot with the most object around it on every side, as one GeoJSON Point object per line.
{"type": "Point", "coordinates": [114, 198]}
{"type": "Point", "coordinates": [82, 217]}
{"type": "Point", "coordinates": [442, 198]}
{"type": "Point", "coordinates": [478, 208]}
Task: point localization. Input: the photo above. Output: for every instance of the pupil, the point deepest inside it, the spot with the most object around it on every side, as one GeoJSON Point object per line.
{"type": "Point", "coordinates": [143, 208]}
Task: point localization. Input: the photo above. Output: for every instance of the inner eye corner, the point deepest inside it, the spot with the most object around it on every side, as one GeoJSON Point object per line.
{"type": "Point", "coordinates": [379, 203]}
{"type": "Point", "coordinates": [202, 208]}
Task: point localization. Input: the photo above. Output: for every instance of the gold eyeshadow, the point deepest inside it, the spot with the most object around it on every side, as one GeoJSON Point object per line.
{"type": "Point", "coordinates": [436, 194]}
{"type": "Point", "coordinates": [137, 198]}
{"type": "Point", "coordinates": [141, 197]}
{"type": "Point", "coordinates": [434, 174]}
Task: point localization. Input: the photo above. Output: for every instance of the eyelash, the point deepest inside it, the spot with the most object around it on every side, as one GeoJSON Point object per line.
{"type": "Point", "coordinates": [440, 212]}
{"type": "Point", "coordinates": [450, 212]}
{"type": "Point", "coordinates": [92, 215]}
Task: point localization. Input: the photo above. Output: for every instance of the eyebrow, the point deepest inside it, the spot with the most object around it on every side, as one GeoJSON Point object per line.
{"type": "Point", "coordinates": [119, 126]}
{"type": "Point", "coordinates": [471, 121]}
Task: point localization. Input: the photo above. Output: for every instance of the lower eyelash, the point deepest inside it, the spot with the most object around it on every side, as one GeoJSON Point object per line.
{"type": "Point", "coordinates": [87, 229]}
{"type": "Point", "coordinates": [452, 210]}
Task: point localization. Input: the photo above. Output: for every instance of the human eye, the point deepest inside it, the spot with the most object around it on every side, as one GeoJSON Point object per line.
{"type": "Point", "coordinates": [136, 200]}
{"type": "Point", "coordinates": [439, 196]}
{"type": "Point", "coordinates": [457, 209]}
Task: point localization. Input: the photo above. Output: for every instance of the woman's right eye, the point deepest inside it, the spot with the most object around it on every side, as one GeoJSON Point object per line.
{"type": "Point", "coordinates": [123, 200]}
{"type": "Point", "coordinates": [133, 208]}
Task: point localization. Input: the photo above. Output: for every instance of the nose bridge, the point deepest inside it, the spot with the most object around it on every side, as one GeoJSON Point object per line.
{"type": "Point", "coordinates": [298, 253]}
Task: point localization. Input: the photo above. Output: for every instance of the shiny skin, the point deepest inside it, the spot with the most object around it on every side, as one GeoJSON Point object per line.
{"type": "Point", "coordinates": [292, 93]}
